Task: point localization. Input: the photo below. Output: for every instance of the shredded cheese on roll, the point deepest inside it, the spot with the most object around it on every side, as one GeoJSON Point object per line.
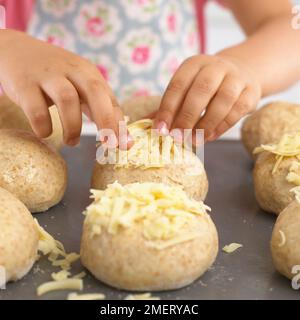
{"type": "Point", "coordinates": [288, 146]}
{"type": "Point", "coordinates": [150, 150]}
{"type": "Point", "coordinates": [162, 210]}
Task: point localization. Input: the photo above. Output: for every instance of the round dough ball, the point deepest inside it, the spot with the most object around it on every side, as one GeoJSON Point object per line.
{"type": "Point", "coordinates": [18, 237]}
{"type": "Point", "coordinates": [125, 259]}
{"type": "Point", "coordinates": [195, 184]}
{"type": "Point", "coordinates": [31, 170]}
{"type": "Point", "coordinates": [13, 117]}
{"type": "Point", "coordinates": [269, 123]}
{"type": "Point", "coordinates": [272, 190]}
{"type": "Point", "coordinates": [140, 107]}
{"type": "Point", "coordinates": [285, 243]}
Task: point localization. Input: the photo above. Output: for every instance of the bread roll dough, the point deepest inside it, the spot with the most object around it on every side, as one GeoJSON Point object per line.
{"type": "Point", "coordinates": [188, 172]}
{"type": "Point", "coordinates": [18, 237]}
{"type": "Point", "coordinates": [13, 117]}
{"type": "Point", "coordinates": [31, 170]}
{"type": "Point", "coordinates": [272, 190]}
{"type": "Point", "coordinates": [147, 237]}
{"type": "Point", "coordinates": [137, 108]}
{"type": "Point", "coordinates": [285, 243]}
{"type": "Point", "coordinates": [269, 123]}
{"type": "Point", "coordinates": [276, 173]}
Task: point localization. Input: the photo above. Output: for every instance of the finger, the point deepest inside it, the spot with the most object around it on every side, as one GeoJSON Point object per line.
{"type": "Point", "coordinates": [151, 115]}
{"type": "Point", "coordinates": [220, 106]}
{"type": "Point", "coordinates": [204, 87]}
{"type": "Point", "coordinates": [104, 108]}
{"type": "Point", "coordinates": [125, 139]}
{"type": "Point", "coordinates": [175, 93]}
{"type": "Point", "coordinates": [64, 95]}
{"type": "Point", "coordinates": [245, 104]}
{"type": "Point", "coordinates": [85, 109]}
{"type": "Point", "coordinates": [36, 110]}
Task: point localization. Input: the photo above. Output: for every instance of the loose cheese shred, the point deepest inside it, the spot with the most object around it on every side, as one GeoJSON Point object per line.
{"type": "Point", "coordinates": [296, 191]}
{"type": "Point", "coordinates": [67, 284]}
{"type": "Point", "coordinates": [61, 275]}
{"type": "Point", "coordinates": [283, 239]}
{"type": "Point", "coordinates": [162, 210]}
{"type": "Point", "coordinates": [230, 248]}
{"type": "Point", "coordinates": [80, 275]}
{"type": "Point", "coordinates": [87, 296]}
{"type": "Point", "coordinates": [142, 296]}
{"type": "Point", "coordinates": [55, 250]}
{"type": "Point", "coordinates": [288, 146]}
{"type": "Point", "coordinates": [294, 173]}
{"type": "Point", "coordinates": [149, 150]}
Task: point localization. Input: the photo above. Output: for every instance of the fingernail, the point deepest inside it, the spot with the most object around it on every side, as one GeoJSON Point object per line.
{"type": "Point", "coordinates": [162, 128]}
{"type": "Point", "coordinates": [111, 141]}
{"type": "Point", "coordinates": [177, 136]}
{"type": "Point", "coordinates": [125, 141]}
{"type": "Point", "coordinates": [73, 142]}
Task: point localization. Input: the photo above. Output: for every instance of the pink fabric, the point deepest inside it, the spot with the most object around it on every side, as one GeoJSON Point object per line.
{"type": "Point", "coordinates": [199, 6]}
{"type": "Point", "coordinates": [18, 13]}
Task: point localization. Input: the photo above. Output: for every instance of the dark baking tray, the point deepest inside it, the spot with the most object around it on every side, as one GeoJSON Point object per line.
{"type": "Point", "coordinates": [247, 273]}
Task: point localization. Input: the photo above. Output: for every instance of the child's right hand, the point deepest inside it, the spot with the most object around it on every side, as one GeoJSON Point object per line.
{"type": "Point", "coordinates": [35, 75]}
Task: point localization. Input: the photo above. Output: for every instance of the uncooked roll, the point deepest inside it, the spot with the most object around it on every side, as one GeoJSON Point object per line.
{"type": "Point", "coordinates": [31, 170]}
{"type": "Point", "coordinates": [13, 117]}
{"type": "Point", "coordinates": [272, 190]}
{"type": "Point", "coordinates": [269, 123]}
{"type": "Point", "coordinates": [285, 243]}
{"type": "Point", "coordinates": [19, 238]}
{"type": "Point", "coordinates": [147, 237]}
{"type": "Point", "coordinates": [137, 108]}
{"type": "Point", "coordinates": [187, 171]}
{"type": "Point", "coordinates": [277, 172]}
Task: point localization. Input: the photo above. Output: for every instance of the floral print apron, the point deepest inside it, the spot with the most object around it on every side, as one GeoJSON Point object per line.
{"type": "Point", "coordinates": [137, 45]}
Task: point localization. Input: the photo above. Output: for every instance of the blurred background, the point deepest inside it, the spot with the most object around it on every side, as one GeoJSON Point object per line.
{"type": "Point", "coordinates": [223, 31]}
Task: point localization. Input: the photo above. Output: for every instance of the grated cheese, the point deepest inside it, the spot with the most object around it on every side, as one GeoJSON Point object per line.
{"type": "Point", "coordinates": [60, 275]}
{"type": "Point", "coordinates": [160, 209]}
{"type": "Point", "coordinates": [67, 284]}
{"type": "Point", "coordinates": [149, 150]}
{"type": "Point", "coordinates": [288, 146]}
{"type": "Point", "coordinates": [142, 296]}
{"type": "Point", "coordinates": [294, 173]}
{"type": "Point", "coordinates": [87, 296]}
{"type": "Point", "coordinates": [230, 248]}
{"type": "Point", "coordinates": [59, 258]}
{"type": "Point", "coordinates": [55, 250]}
{"type": "Point", "coordinates": [296, 191]}
{"type": "Point", "coordinates": [283, 239]}
{"type": "Point", "coordinates": [80, 275]}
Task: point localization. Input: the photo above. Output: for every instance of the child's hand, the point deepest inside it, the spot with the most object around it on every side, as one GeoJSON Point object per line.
{"type": "Point", "coordinates": [36, 75]}
{"type": "Point", "coordinates": [221, 86]}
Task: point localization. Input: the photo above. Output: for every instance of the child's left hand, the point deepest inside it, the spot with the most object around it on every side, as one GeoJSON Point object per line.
{"type": "Point", "coordinates": [222, 86]}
